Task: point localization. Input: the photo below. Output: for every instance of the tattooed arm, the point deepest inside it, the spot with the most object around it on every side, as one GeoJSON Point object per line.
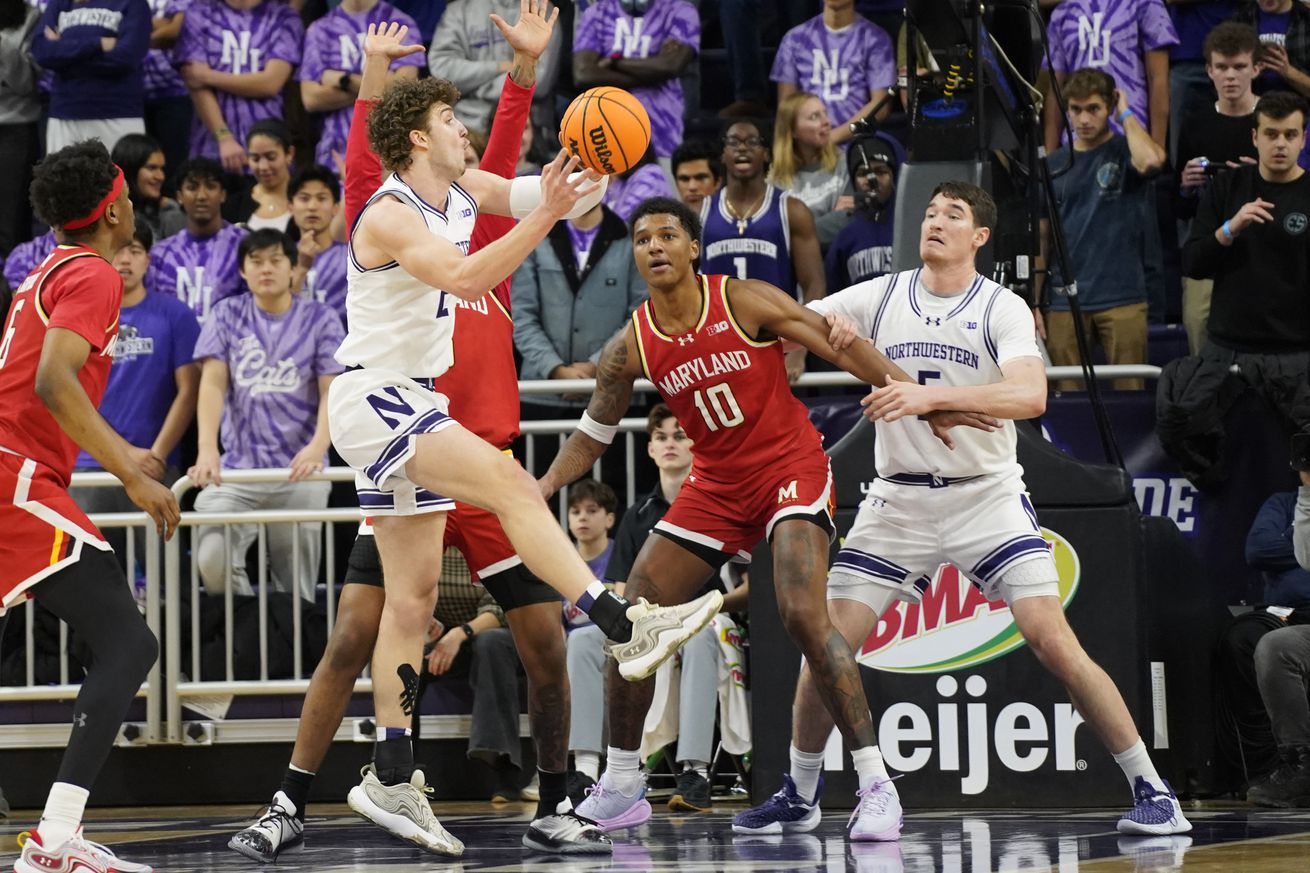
{"type": "Point", "coordinates": [617, 369]}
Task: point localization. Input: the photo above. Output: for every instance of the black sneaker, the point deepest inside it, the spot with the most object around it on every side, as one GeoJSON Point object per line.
{"type": "Point", "coordinates": [1288, 786]}
{"type": "Point", "coordinates": [692, 793]}
{"type": "Point", "coordinates": [579, 784]}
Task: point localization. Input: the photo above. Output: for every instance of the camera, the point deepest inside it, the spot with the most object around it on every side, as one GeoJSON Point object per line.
{"type": "Point", "coordinates": [1300, 459]}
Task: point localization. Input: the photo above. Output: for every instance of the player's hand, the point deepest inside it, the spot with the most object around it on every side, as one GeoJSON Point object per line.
{"type": "Point", "coordinates": [842, 331]}
{"type": "Point", "coordinates": [444, 652]}
{"type": "Point", "coordinates": [531, 33]}
{"type": "Point", "coordinates": [307, 249]}
{"type": "Point", "coordinates": [943, 420]}
{"type": "Point", "coordinates": [156, 501]}
{"type": "Point", "coordinates": [1193, 174]}
{"type": "Point", "coordinates": [206, 470]}
{"type": "Point", "coordinates": [435, 630]}
{"type": "Point", "coordinates": [148, 463]}
{"type": "Point", "coordinates": [559, 193]}
{"type": "Point", "coordinates": [794, 361]}
{"type": "Point", "coordinates": [231, 154]}
{"type": "Point", "coordinates": [897, 400]}
{"type": "Point", "coordinates": [385, 39]}
{"type": "Point", "coordinates": [1255, 212]}
{"type": "Point", "coordinates": [195, 74]}
{"type": "Point", "coordinates": [308, 461]}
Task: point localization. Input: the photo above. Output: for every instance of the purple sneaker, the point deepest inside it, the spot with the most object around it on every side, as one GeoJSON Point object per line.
{"type": "Point", "coordinates": [613, 810]}
{"type": "Point", "coordinates": [1155, 812]}
{"type": "Point", "coordinates": [784, 812]}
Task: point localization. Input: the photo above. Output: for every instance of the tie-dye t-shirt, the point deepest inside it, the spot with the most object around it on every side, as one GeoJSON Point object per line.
{"type": "Point", "coordinates": [199, 271]}
{"type": "Point", "coordinates": [326, 280]}
{"type": "Point", "coordinates": [336, 42]}
{"type": "Point", "coordinates": [273, 363]}
{"type": "Point", "coordinates": [843, 67]}
{"type": "Point", "coordinates": [162, 78]}
{"type": "Point", "coordinates": [608, 31]}
{"type": "Point", "coordinates": [238, 42]}
{"type": "Point", "coordinates": [1113, 36]}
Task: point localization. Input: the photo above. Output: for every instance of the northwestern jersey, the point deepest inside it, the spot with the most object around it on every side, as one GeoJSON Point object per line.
{"type": "Point", "coordinates": [957, 340]}
{"type": "Point", "coordinates": [756, 247]}
{"type": "Point", "coordinates": [728, 391]}
{"type": "Point", "coordinates": [396, 321]}
{"type": "Point", "coordinates": [76, 289]}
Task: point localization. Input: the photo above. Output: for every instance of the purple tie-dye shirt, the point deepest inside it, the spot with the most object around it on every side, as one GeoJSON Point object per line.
{"type": "Point", "coordinates": [624, 195]}
{"type": "Point", "coordinates": [1113, 36]}
{"type": "Point", "coordinates": [199, 271]}
{"type": "Point", "coordinates": [844, 68]}
{"type": "Point", "coordinates": [326, 280]}
{"type": "Point", "coordinates": [162, 79]}
{"type": "Point", "coordinates": [25, 256]}
{"type": "Point", "coordinates": [237, 42]}
{"type": "Point", "coordinates": [607, 30]}
{"type": "Point", "coordinates": [273, 363]}
{"type": "Point", "coordinates": [336, 42]}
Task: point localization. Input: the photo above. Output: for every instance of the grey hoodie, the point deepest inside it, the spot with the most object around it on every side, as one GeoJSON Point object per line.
{"type": "Point", "coordinates": [18, 96]}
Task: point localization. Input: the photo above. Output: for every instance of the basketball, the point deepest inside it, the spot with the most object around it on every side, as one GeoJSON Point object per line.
{"type": "Point", "coordinates": [607, 128]}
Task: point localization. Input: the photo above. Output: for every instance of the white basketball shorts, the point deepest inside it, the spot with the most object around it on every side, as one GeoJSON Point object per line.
{"type": "Point", "coordinates": [903, 532]}
{"type": "Point", "coordinates": [374, 416]}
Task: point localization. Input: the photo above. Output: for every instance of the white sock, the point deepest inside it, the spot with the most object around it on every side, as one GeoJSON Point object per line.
{"type": "Point", "coordinates": [63, 814]}
{"type": "Point", "coordinates": [805, 770]}
{"type": "Point", "coordinates": [588, 763]}
{"type": "Point", "coordinates": [1135, 761]}
{"type": "Point", "coordinates": [869, 766]}
{"type": "Point", "coordinates": [701, 767]}
{"type": "Point", "coordinates": [623, 769]}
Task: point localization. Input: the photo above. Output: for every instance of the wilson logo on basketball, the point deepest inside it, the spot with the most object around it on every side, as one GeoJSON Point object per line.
{"type": "Point", "coordinates": [956, 627]}
{"type": "Point", "coordinates": [600, 148]}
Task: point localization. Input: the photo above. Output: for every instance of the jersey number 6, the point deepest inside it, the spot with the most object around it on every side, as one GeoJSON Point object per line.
{"type": "Point", "coordinates": [11, 330]}
{"type": "Point", "coordinates": [721, 410]}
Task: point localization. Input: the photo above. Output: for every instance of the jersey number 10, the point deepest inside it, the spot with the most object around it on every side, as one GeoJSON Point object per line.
{"type": "Point", "coordinates": [718, 407]}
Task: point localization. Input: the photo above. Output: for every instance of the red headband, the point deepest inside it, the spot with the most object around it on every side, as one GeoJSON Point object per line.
{"type": "Point", "coordinates": [114, 190]}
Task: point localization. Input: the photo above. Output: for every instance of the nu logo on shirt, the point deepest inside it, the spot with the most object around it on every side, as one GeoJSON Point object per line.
{"type": "Point", "coordinates": [238, 55]}
{"type": "Point", "coordinates": [1094, 40]}
{"type": "Point", "coordinates": [829, 77]}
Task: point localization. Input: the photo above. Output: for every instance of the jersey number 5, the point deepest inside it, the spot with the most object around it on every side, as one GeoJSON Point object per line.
{"type": "Point", "coordinates": [10, 329]}
{"type": "Point", "coordinates": [721, 410]}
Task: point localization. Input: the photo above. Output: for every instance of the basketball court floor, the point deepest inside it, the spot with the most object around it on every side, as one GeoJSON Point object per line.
{"type": "Point", "coordinates": [1227, 838]}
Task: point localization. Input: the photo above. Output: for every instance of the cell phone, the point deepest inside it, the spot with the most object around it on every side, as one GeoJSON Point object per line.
{"type": "Point", "coordinates": [1300, 459]}
{"type": "Point", "coordinates": [1214, 168]}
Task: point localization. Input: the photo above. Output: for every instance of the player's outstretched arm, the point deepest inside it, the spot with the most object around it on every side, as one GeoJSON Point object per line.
{"type": "Point", "coordinates": [1021, 394]}
{"type": "Point", "coordinates": [63, 354]}
{"type": "Point", "coordinates": [617, 369]}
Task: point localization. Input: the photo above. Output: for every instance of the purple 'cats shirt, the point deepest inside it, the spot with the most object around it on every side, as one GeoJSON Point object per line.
{"type": "Point", "coordinates": [326, 280]}
{"type": "Point", "coordinates": [336, 42]}
{"type": "Point", "coordinates": [843, 67]}
{"type": "Point", "coordinates": [25, 256]}
{"type": "Point", "coordinates": [162, 78]}
{"type": "Point", "coordinates": [1113, 36]}
{"type": "Point", "coordinates": [273, 363]}
{"type": "Point", "coordinates": [624, 195]}
{"type": "Point", "coordinates": [199, 271]}
{"type": "Point", "coordinates": [238, 42]}
{"type": "Point", "coordinates": [607, 30]}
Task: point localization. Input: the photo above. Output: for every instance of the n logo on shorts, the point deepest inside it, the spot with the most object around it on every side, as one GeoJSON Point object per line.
{"type": "Point", "coordinates": [788, 492]}
{"type": "Point", "coordinates": [381, 405]}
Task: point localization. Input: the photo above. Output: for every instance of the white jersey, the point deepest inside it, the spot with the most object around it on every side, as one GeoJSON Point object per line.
{"type": "Point", "coordinates": [396, 321]}
{"type": "Point", "coordinates": [957, 340]}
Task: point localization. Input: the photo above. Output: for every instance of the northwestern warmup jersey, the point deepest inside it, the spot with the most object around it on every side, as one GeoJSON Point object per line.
{"type": "Point", "coordinates": [728, 391]}
{"type": "Point", "coordinates": [74, 289]}
{"type": "Point", "coordinates": [396, 321]}
{"type": "Point", "coordinates": [758, 247]}
{"type": "Point", "coordinates": [958, 340]}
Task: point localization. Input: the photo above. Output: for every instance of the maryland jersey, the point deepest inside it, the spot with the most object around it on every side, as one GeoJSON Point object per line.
{"type": "Point", "coordinates": [728, 391]}
{"type": "Point", "coordinates": [482, 384]}
{"type": "Point", "coordinates": [756, 247]}
{"type": "Point", "coordinates": [396, 321]}
{"type": "Point", "coordinates": [76, 289]}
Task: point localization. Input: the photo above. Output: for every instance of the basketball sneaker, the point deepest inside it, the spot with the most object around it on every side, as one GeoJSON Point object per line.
{"type": "Point", "coordinates": [1155, 811]}
{"type": "Point", "coordinates": [567, 833]}
{"type": "Point", "coordinates": [403, 811]}
{"type": "Point", "coordinates": [277, 830]}
{"type": "Point", "coordinates": [877, 816]}
{"type": "Point", "coordinates": [613, 810]}
{"type": "Point", "coordinates": [76, 855]}
{"type": "Point", "coordinates": [659, 631]}
{"type": "Point", "coordinates": [784, 812]}
{"type": "Point", "coordinates": [692, 793]}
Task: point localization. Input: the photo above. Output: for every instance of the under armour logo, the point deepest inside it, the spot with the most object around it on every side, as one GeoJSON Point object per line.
{"type": "Point", "coordinates": [686, 339]}
{"type": "Point", "coordinates": [79, 720]}
{"type": "Point", "coordinates": [932, 321]}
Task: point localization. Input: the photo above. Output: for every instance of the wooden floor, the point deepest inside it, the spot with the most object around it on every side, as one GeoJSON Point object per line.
{"type": "Point", "coordinates": [1227, 838]}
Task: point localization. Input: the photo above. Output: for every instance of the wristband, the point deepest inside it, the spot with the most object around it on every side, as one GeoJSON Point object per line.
{"type": "Point", "coordinates": [222, 132]}
{"type": "Point", "coordinates": [1125, 115]}
{"type": "Point", "coordinates": [468, 631]}
{"type": "Point", "coordinates": [601, 433]}
{"type": "Point", "coordinates": [1228, 232]}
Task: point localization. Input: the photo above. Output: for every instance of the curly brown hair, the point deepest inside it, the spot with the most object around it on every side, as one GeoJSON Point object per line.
{"type": "Point", "coordinates": [405, 106]}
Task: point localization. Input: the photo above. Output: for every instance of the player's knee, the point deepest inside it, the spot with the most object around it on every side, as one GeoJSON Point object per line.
{"type": "Point", "coordinates": [1055, 647]}
{"type": "Point", "coordinates": [136, 650]}
{"type": "Point", "coordinates": [510, 486]}
{"type": "Point", "coordinates": [806, 623]}
{"type": "Point", "coordinates": [350, 647]}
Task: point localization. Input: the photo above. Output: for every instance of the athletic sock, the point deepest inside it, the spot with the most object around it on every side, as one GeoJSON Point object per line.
{"type": "Point", "coordinates": [554, 789]}
{"type": "Point", "coordinates": [805, 770]}
{"type": "Point", "coordinates": [701, 767]}
{"type": "Point", "coordinates": [295, 785]}
{"type": "Point", "coordinates": [869, 766]}
{"type": "Point", "coordinates": [608, 611]}
{"type": "Point", "coordinates": [1136, 761]}
{"type": "Point", "coordinates": [588, 763]}
{"type": "Point", "coordinates": [623, 770]}
{"type": "Point", "coordinates": [63, 814]}
{"type": "Point", "coordinates": [393, 756]}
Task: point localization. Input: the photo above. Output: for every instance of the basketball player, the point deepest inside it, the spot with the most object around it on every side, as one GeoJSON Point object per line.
{"type": "Point", "coordinates": [483, 391]}
{"type": "Point", "coordinates": [974, 345]}
{"type": "Point", "coordinates": [55, 352]}
{"type": "Point", "coordinates": [756, 230]}
{"type": "Point", "coordinates": [711, 344]}
{"type": "Point", "coordinates": [407, 257]}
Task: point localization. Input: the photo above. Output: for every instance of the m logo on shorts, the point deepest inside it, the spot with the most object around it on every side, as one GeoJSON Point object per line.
{"type": "Point", "coordinates": [788, 492]}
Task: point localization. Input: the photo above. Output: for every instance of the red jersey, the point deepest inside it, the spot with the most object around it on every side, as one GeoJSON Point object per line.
{"type": "Point", "coordinates": [728, 391]}
{"type": "Point", "coordinates": [76, 289]}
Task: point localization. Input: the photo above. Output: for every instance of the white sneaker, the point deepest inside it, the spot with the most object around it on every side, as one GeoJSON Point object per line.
{"type": "Point", "coordinates": [877, 815]}
{"type": "Point", "coordinates": [403, 811]}
{"type": "Point", "coordinates": [75, 855]}
{"type": "Point", "coordinates": [659, 631]}
{"type": "Point", "coordinates": [567, 833]}
{"type": "Point", "coordinates": [277, 830]}
{"type": "Point", "coordinates": [613, 810]}
{"type": "Point", "coordinates": [532, 791]}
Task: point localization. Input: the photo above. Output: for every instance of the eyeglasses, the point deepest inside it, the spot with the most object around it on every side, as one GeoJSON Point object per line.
{"type": "Point", "coordinates": [752, 142]}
